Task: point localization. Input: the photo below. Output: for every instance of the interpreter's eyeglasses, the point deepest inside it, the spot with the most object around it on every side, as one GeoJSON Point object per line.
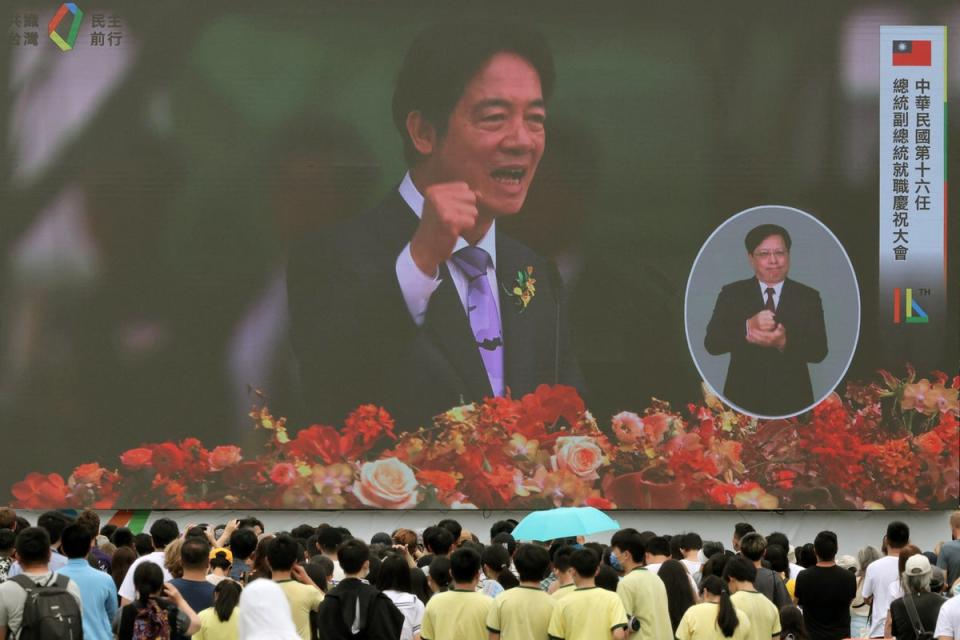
{"type": "Point", "coordinates": [763, 255]}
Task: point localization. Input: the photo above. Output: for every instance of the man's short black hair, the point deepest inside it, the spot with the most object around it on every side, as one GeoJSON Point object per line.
{"type": "Point", "coordinates": [251, 522]}
{"type": "Point", "coordinates": [107, 530]}
{"type": "Point", "coordinates": [243, 542]}
{"type": "Point", "coordinates": [658, 546]}
{"type": "Point", "coordinates": [329, 538]}
{"type": "Point", "coordinates": [54, 522]}
{"type": "Point", "coordinates": [742, 528]}
{"type": "Point", "coordinates": [122, 537]}
{"type": "Point", "coordinates": [630, 541]}
{"type": "Point", "coordinates": [444, 58]}
{"type": "Point", "coordinates": [451, 525]}
{"type": "Point", "coordinates": [825, 545]}
{"type": "Point", "coordinates": [740, 569]}
{"type": "Point", "coordinates": [752, 546]}
{"type": "Point", "coordinates": [164, 531]}
{"type": "Point", "coordinates": [33, 546]}
{"type": "Point", "coordinates": [585, 562]}
{"type": "Point", "coordinates": [7, 539]}
{"type": "Point", "coordinates": [691, 541]}
{"type": "Point", "coordinates": [352, 554]}
{"type": "Point", "coordinates": [438, 540]}
{"type": "Point", "coordinates": [509, 542]}
{"type": "Point", "coordinates": [531, 561]}
{"type": "Point", "coordinates": [898, 534]}
{"type": "Point", "coordinates": [464, 564]}
{"type": "Point", "coordinates": [760, 233]}
{"type": "Point", "coordinates": [282, 552]}
{"type": "Point", "coordinates": [502, 526]}
{"type": "Point", "coordinates": [303, 531]}
{"type": "Point", "coordinates": [711, 547]}
{"type": "Point", "coordinates": [561, 558]}
{"type": "Point", "coordinates": [143, 543]}
{"type": "Point", "coordinates": [195, 553]}
{"type": "Point", "coordinates": [778, 538]}
{"type": "Point", "coordinates": [75, 541]}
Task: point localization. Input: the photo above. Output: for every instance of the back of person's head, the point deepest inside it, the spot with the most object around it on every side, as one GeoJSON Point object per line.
{"type": "Point", "coordinates": [147, 580]}
{"type": "Point", "coordinates": [715, 565]}
{"type": "Point", "coordinates": [265, 612]}
{"type": "Point", "coordinates": [777, 557]}
{"type": "Point", "coordinates": [373, 569]}
{"type": "Point", "coordinates": [740, 569]}
{"type": "Point", "coordinates": [676, 552]}
{"type": "Point", "coordinates": [33, 546]}
{"type": "Point", "coordinates": [825, 545]}
{"type": "Point", "coordinates": [107, 530]}
{"type": "Point", "coordinates": [195, 553]}
{"type": "Point", "coordinates": [806, 555]}
{"type": "Point", "coordinates": [451, 525]}
{"type": "Point", "coordinates": [743, 528]}
{"type": "Point", "coordinates": [752, 546]}
{"type": "Point", "coordinates": [76, 540]}
{"type": "Point", "coordinates": [760, 233]}
{"type": "Point", "coordinates": [163, 532]}
{"type": "Point", "coordinates": [691, 542]}
{"type": "Point", "coordinates": [680, 595]}
{"type": "Point", "coordinates": [440, 572]}
{"type": "Point", "coordinates": [905, 554]}
{"type": "Point", "coordinates": [502, 526]}
{"type": "Point", "coordinates": [438, 540]}
{"type": "Point", "coordinates": [585, 562]}
{"type": "Point", "coordinates": [91, 520]}
{"type": "Point", "coordinates": [54, 522]}
{"type": "Point", "coordinates": [7, 539]}
{"type": "Point", "coordinates": [631, 542]}
{"type": "Point", "coordinates": [282, 552]}
{"type": "Point", "coordinates": [394, 574]}
{"type": "Point", "coordinates": [221, 558]}
{"type": "Point", "coordinates": [898, 534]}
{"type": "Point", "coordinates": [443, 59]}
{"type": "Point", "coordinates": [711, 547]}
{"type": "Point", "coordinates": [531, 562]}
{"type": "Point", "coordinates": [406, 537]}
{"type": "Point", "coordinates": [599, 548]}
{"type": "Point", "coordinates": [778, 538]}
{"type": "Point", "coordinates": [381, 538]}
{"type": "Point", "coordinates": [955, 520]}
{"type": "Point", "coordinates": [243, 542]}
{"type": "Point", "coordinates": [607, 578]}
{"type": "Point", "coordinates": [658, 546]}
{"type": "Point", "coordinates": [317, 575]}
{"type": "Point", "coordinates": [352, 554]}
{"type": "Point", "coordinates": [329, 538]}
{"type": "Point", "coordinates": [226, 596]}
{"type": "Point", "coordinates": [171, 558]}
{"type": "Point", "coordinates": [938, 579]}
{"type": "Point", "coordinates": [122, 537]}
{"type": "Point", "coordinates": [792, 626]}
{"type": "Point", "coordinates": [251, 522]}
{"type": "Point", "coordinates": [916, 574]}
{"type": "Point", "coordinates": [8, 518]}
{"type": "Point", "coordinates": [496, 558]}
{"type": "Point", "coordinates": [561, 558]}
{"type": "Point", "coordinates": [303, 531]}
{"type": "Point", "coordinates": [22, 523]}
{"type": "Point", "coordinates": [726, 613]}
{"type": "Point", "coordinates": [507, 541]}
{"type": "Point", "coordinates": [325, 564]}
{"type": "Point", "coordinates": [464, 565]}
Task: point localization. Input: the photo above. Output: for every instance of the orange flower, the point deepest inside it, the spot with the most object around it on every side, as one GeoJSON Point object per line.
{"type": "Point", "coordinates": [752, 496]}
{"type": "Point", "coordinates": [90, 473]}
{"type": "Point", "coordinates": [224, 456]}
{"type": "Point", "coordinates": [444, 481]}
{"type": "Point", "coordinates": [140, 458]}
{"type": "Point", "coordinates": [168, 458]}
{"type": "Point", "coordinates": [38, 491]}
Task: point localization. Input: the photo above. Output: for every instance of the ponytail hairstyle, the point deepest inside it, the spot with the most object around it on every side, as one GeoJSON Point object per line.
{"type": "Point", "coordinates": [148, 581]}
{"type": "Point", "coordinates": [226, 595]}
{"type": "Point", "coordinates": [791, 623]}
{"type": "Point", "coordinates": [496, 558]}
{"type": "Point", "coordinates": [726, 615]}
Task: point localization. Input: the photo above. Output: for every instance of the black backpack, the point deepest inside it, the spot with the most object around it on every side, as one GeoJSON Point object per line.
{"type": "Point", "coordinates": [50, 612]}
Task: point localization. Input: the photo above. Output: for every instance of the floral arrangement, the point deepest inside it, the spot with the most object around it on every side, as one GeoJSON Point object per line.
{"type": "Point", "coordinates": [889, 445]}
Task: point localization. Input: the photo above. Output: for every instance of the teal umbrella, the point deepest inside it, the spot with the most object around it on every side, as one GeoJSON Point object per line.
{"type": "Point", "coordinates": [563, 522]}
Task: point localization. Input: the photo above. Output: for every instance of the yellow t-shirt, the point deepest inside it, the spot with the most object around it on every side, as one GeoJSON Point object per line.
{"type": "Point", "coordinates": [700, 623]}
{"type": "Point", "coordinates": [303, 599]}
{"type": "Point", "coordinates": [645, 598]}
{"type": "Point", "coordinates": [456, 615]}
{"type": "Point", "coordinates": [564, 591]}
{"type": "Point", "coordinates": [212, 628]}
{"type": "Point", "coordinates": [589, 613]}
{"type": "Point", "coordinates": [522, 613]}
{"type": "Point", "coordinates": [764, 615]}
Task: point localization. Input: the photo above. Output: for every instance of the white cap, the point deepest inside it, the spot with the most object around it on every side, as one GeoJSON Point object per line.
{"type": "Point", "coordinates": [917, 565]}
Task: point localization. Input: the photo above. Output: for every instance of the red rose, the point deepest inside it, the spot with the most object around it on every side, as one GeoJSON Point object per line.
{"type": "Point", "coordinates": [140, 458]}
{"type": "Point", "coordinates": [38, 491]}
{"type": "Point", "coordinates": [316, 442]}
{"type": "Point", "coordinates": [168, 458]}
{"type": "Point", "coordinates": [283, 473]}
{"type": "Point", "coordinates": [223, 457]}
{"type": "Point", "coordinates": [599, 503]}
{"type": "Point", "coordinates": [88, 474]}
{"type": "Point", "coordinates": [444, 481]}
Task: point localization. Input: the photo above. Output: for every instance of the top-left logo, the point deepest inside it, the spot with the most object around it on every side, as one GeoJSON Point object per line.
{"type": "Point", "coordinates": [65, 44]}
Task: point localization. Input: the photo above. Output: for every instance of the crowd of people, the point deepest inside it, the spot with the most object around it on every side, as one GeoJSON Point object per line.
{"type": "Point", "coordinates": [71, 578]}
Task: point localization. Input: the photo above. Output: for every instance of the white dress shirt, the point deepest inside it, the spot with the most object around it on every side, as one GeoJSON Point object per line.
{"type": "Point", "coordinates": [777, 288]}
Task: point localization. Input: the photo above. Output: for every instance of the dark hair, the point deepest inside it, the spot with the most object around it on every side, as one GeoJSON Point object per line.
{"type": "Point", "coordinates": [54, 522]}
{"type": "Point", "coordinates": [898, 534]}
{"type": "Point", "coordinates": [777, 557]}
{"type": "Point", "coordinates": [495, 557]}
{"type": "Point", "coordinates": [8, 518]}
{"type": "Point", "coordinates": [163, 532]}
{"type": "Point", "coordinates": [753, 545]}
{"type": "Point", "coordinates": [147, 580]}
{"type": "Point", "coordinates": [630, 541]}
{"type": "Point", "coordinates": [7, 539]}
{"type": "Point", "coordinates": [508, 541]}
{"type": "Point", "coordinates": [778, 538]}
{"type": "Point", "coordinates": [394, 574]}
{"type": "Point", "coordinates": [33, 546]}
{"type": "Point", "coordinates": [676, 552]}
{"type": "Point", "coordinates": [195, 553]}
{"type": "Point", "coordinates": [464, 564]}
{"type": "Point", "coordinates": [250, 523]}
{"type": "Point", "coordinates": [791, 623]}
{"type": "Point", "coordinates": [691, 541]}
{"type": "Point", "coordinates": [120, 563]}
{"type": "Point", "coordinates": [108, 530]}
{"type": "Point", "coordinates": [585, 562]}
{"type": "Point", "coordinates": [220, 561]}
{"type": "Point", "coordinates": [743, 528]}
{"type": "Point", "coordinates": [143, 543]}
{"type": "Point", "coordinates": [531, 562]}
{"type": "Point", "coordinates": [196, 531]}
{"type": "Point", "coordinates": [444, 58]}
{"type": "Point", "coordinates": [329, 538]}
{"type": "Point", "coordinates": [658, 546]}
{"type": "Point", "coordinates": [282, 552]}
{"type": "Point", "coordinates": [806, 556]}
{"type": "Point", "coordinates": [261, 567]}
{"type": "Point", "coordinates": [243, 542]}
{"type": "Point", "coordinates": [226, 596]}
{"type": "Point", "coordinates": [825, 545]}
{"type": "Point", "coordinates": [438, 540]}
{"type": "Point", "coordinates": [561, 558]}
{"type": "Point", "coordinates": [758, 234]}
{"type": "Point", "coordinates": [382, 538]}
{"type": "Point", "coordinates": [711, 547]}
{"type": "Point", "coordinates": [905, 553]}
{"type": "Point", "coordinates": [440, 571]}
{"type": "Point", "coordinates": [726, 614]}
{"type": "Point", "coordinates": [91, 520]}
{"type": "Point", "coordinates": [22, 523]}
{"type": "Point", "coordinates": [373, 573]}
{"type": "Point", "coordinates": [303, 532]}
{"type": "Point", "coordinates": [502, 526]}
{"type": "Point", "coordinates": [352, 554]}
{"type": "Point", "coordinates": [317, 575]}
{"type": "Point", "coordinates": [121, 537]}
{"type": "Point", "coordinates": [75, 541]}
{"type": "Point", "coordinates": [680, 596]}
{"type": "Point", "coordinates": [607, 578]}
{"type": "Point", "coordinates": [451, 525]}
{"type": "Point", "coordinates": [740, 569]}
{"type": "Point", "coordinates": [714, 565]}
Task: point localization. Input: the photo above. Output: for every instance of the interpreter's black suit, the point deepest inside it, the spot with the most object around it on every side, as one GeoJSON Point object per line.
{"type": "Point", "coordinates": [764, 380]}
{"type": "Point", "coordinates": [356, 342]}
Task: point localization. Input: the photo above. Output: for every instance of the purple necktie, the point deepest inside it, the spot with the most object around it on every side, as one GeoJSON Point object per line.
{"type": "Point", "coordinates": [482, 311]}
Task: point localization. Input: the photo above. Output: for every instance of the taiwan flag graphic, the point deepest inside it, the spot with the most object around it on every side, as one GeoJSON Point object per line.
{"type": "Point", "coordinates": [911, 53]}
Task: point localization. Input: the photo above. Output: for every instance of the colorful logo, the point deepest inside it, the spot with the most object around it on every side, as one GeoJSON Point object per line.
{"type": "Point", "coordinates": [65, 45]}
{"type": "Point", "coordinates": [915, 313]}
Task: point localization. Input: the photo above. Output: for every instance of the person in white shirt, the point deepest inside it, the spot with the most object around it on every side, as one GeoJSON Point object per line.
{"type": "Point", "coordinates": [163, 532]}
{"type": "Point", "coordinates": [948, 622]}
{"type": "Point", "coordinates": [882, 573]}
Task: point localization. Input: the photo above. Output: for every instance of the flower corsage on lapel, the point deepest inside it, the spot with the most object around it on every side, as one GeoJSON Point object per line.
{"type": "Point", "coordinates": [524, 288]}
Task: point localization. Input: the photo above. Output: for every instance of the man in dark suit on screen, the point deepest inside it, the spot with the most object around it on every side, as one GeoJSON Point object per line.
{"type": "Point", "coordinates": [422, 304]}
{"type": "Point", "coordinates": [772, 327]}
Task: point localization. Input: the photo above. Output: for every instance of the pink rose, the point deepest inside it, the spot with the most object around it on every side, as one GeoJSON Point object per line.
{"type": "Point", "coordinates": [223, 457]}
{"type": "Point", "coordinates": [387, 483]}
{"type": "Point", "coordinates": [627, 427]}
{"type": "Point", "coordinates": [579, 455]}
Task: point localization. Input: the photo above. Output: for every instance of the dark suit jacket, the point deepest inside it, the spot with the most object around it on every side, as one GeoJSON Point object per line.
{"type": "Point", "coordinates": [356, 342]}
{"type": "Point", "coordinates": [764, 380]}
